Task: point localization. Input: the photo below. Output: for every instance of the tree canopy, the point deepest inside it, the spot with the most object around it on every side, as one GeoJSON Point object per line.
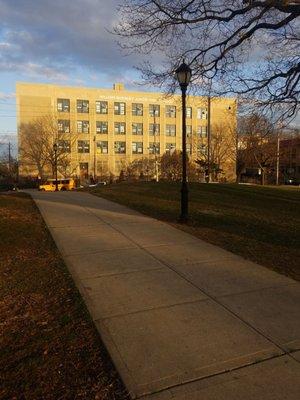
{"type": "Point", "coordinates": [246, 47]}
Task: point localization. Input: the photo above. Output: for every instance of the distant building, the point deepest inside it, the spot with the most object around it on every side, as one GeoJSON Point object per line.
{"type": "Point", "coordinates": [290, 160]}
{"type": "Point", "coordinates": [104, 129]}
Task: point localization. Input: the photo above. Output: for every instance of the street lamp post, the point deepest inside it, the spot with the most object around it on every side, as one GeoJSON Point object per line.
{"type": "Point", "coordinates": [183, 75]}
{"type": "Point", "coordinates": [55, 161]}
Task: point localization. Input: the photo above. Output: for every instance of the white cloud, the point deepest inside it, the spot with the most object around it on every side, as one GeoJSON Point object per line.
{"type": "Point", "coordinates": [4, 45]}
{"type": "Point", "coordinates": [60, 37]}
{"type": "Point", "coordinates": [7, 96]}
{"type": "Point", "coordinates": [34, 70]}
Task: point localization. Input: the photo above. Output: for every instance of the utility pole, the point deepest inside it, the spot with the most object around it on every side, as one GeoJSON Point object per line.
{"type": "Point", "coordinates": [155, 149]}
{"type": "Point", "coordinates": [208, 138]}
{"type": "Point", "coordinates": [278, 155]}
{"type": "Point", "coordinates": [277, 159]}
{"type": "Point", "coordinates": [55, 147]}
{"type": "Point", "coordinates": [9, 157]}
{"type": "Point", "coordinates": [95, 148]}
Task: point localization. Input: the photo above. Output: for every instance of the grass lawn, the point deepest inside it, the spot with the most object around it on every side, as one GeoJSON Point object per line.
{"type": "Point", "coordinates": [49, 347]}
{"type": "Point", "coordinates": [261, 224]}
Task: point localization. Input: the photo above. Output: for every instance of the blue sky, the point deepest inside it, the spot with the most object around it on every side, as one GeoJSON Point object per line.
{"type": "Point", "coordinates": [63, 42]}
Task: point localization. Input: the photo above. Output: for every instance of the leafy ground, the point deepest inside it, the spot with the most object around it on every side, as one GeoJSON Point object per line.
{"type": "Point", "coordinates": [261, 224]}
{"type": "Point", "coordinates": [49, 347]}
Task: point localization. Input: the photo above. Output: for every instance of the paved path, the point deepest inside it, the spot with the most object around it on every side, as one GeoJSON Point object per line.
{"type": "Point", "coordinates": [182, 319]}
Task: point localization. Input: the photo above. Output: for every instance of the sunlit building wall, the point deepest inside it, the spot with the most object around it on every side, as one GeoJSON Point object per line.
{"type": "Point", "coordinates": [105, 129]}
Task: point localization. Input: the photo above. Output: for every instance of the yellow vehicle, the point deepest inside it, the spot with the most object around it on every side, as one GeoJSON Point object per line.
{"type": "Point", "coordinates": [62, 184]}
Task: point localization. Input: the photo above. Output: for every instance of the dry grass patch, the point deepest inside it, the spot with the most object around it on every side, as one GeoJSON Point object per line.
{"type": "Point", "coordinates": [50, 348]}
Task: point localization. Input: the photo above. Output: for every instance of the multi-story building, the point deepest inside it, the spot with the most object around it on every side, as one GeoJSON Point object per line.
{"type": "Point", "coordinates": [103, 129]}
{"type": "Point", "coordinates": [289, 161]}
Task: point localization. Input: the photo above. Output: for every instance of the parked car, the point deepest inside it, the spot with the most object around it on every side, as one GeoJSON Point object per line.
{"type": "Point", "coordinates": [291, 181]}
{"type": "Point", "coordinates": [4, 187]}
{"type": "Point", "coordinates": [63, 184]}
{"type": "Point", "coordinates": [98, 184]}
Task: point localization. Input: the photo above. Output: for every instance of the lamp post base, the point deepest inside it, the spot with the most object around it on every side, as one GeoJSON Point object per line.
{"type": "Point", "coordinates": [184, 216]}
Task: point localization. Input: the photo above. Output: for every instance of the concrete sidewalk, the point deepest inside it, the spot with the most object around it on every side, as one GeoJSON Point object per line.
{"type": "Point", "coordinates": [181, 319]}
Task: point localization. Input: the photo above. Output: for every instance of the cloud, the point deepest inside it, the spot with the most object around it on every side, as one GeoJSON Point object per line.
{"type": "Point", "coordinates": [7, 96]}
{"type": "Point", "coordinates": [54, 39]}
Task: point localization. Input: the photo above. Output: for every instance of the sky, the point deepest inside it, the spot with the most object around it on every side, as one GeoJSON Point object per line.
{"type": "Point", "coordinates": [62, 42]}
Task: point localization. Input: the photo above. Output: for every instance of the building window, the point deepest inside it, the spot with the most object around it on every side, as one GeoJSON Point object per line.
{"type": "Point", "coordinates": [102, 167]}
{"type": "Point", "coordinates": [101, 107]}
{"type": "Point", "coordinates": [170, 147]}
{"type": "Point", "coordinates": [120, 128]}
{"type": "Point", "coordinates": [171, 111]}
{"type": "Point", "coordinates": [137, 147]}
{"type": "Point", "coordinates": [202, 131]}
{"type": "Point", "coordinates": [189, 112]}
{"type": "Point", "coordinates": [170, 130]}
{"type": "Point", "coordinates": [137, 128]}
{"type": "Point", "coordinates": [119, 166]}
{"type": "Point", "coordinates": [63, 125]}
{"type": "Point", "coordinates": [64, 146]}
{"type": "Point", "coordinates": [154, 148]}
{"type": "Point", "coordinates": [154, 110]}
{"type": "Point", "coordinates": [137, 109]}
{"type": "Point", "coordinates": [82, 106]}
{"type": "Point", "coordinates": [154, 129]}
{"type": "Point", "coordinates": [189, 130]}
{"type": "Point", "coordinates": [102, 147]}
{"type": "Point", "coordinates": [120, 147]}
{"type": "Point", "coordinates": [63, 105]}
{"type": "Point", "coordinates": [83, 146]}
{"type": "Point", "coordinates": [202, 113]}
{"type": "Point", "coordinates": [101, 127]}
{"type": "Point", "coordinates": [189, 148]}
{"type": "Point", "coordinates": [83, 127]}
{"type": "Point", "coordinates": [120, 108]}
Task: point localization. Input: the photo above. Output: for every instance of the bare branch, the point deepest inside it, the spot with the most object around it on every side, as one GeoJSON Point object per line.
{"type": "Point", "coordinates": [245, 46]}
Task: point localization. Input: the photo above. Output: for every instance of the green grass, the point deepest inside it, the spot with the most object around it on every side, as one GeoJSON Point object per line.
{"type": "Point", "coordinates": [259, 223]}
{"type": "Point", "coordinates": [49, 346]}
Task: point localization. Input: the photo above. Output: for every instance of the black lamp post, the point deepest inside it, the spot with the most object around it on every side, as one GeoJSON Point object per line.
{"type": "Point", "coordinates": [55, 161]}
{"type": "Point", "coordinates": [183, 75]}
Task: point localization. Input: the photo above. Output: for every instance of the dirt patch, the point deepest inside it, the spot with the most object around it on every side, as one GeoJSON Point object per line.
{"type": "Point", "coordinates": [49, 346]}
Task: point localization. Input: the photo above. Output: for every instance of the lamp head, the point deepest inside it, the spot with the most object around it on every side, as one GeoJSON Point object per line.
{"type": "Point", "coordinates": [183, 74]}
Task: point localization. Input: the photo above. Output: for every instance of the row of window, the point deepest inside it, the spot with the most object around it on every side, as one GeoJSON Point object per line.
{"type": "Point", "coordinates": [137, 109]}
{"type": "Point", "coordinates": [83, 146]}
{"type": "Point", "coordinates": [120, 128]}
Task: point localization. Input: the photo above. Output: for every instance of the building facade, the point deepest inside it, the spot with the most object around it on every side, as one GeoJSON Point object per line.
{"type": "Point", "coordinates": [102, 130]}
{"type": "Point", "coordinates": [289, 161]}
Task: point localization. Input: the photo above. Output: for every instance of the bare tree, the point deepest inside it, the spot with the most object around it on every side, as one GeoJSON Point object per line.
{"type": "Point", "coordinates": [171, 167]}
{"type": "Point", "coordinates": [257, 145]}
{"type": "Point", "coordinates": [222, 157]}
{"type": "Point", "coordinates": [249, 47]}
{"type": "Point", "coordinates": [8, 168]}
{"type": "Point", "coordinates": [32, 148]}
{"type": "Point", "coordinates": [143, 168]}
{"type": "Point", "coordinates": [36, 146]}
